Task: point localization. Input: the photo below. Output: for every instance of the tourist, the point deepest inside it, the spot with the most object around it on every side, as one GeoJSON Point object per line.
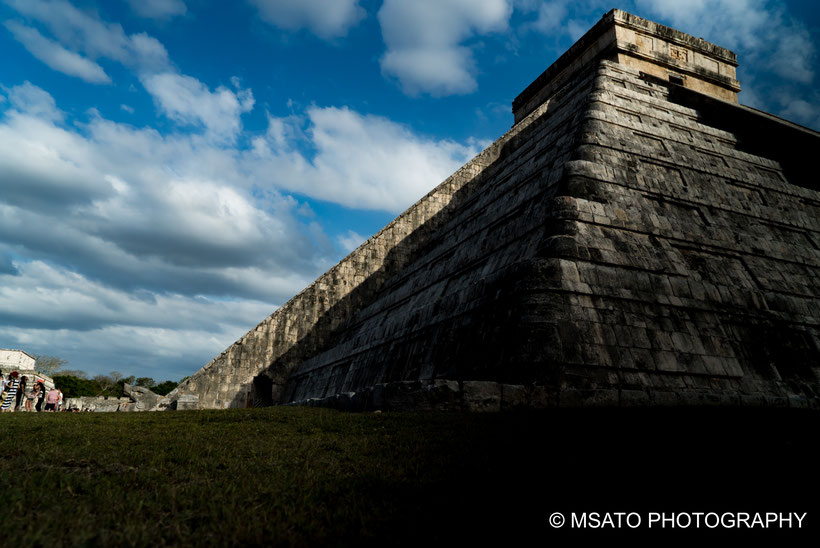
{"type": "Point", "coordinates": [21, 390]}
{"type": "Point", "coordinates": [59, 400]}
{"type": "Point", "coordinates": [31, 396]}
{"type": "Point", "coordinates": [51, 400]}
{"type": "Point", "coordinates": [4, 387]}
{"type": "Point", "coordinates": [41, 395]}
{"type": "Point", "coordinates": [11, 394]}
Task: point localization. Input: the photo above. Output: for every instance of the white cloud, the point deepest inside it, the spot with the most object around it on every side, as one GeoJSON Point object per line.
{"type": "Point", "coordinates": [550, 15]}
{"type": "Point", "coordinates": [361, 161]}
{"type": "Point", "coordinates": [138, 210]}
{"type": "Point", "coordinates": [181, 98]}
{"type": "Point", "coordinates": [800, 110]}
{"type": "Point", "coordinates": [189, 101]}
{"type": "Point", "coordinates": [79, 31]}
{"type": "Point", "coordinates": [41, 294]}
{"type": "Point", "coordinates": [325, 18]}
{"type": "Point", "coordinates": [56, 56]}
{"type": "Point", "coordinates": [425, 39]}
{"type": "Point", "coordinates": [158, 9]}
{"type": "Point", "coordinates": [141, 331]}
{"type": "Point", "coordinates": [350, 240]}
{"type": "Point", "coordinates": [35, 101]}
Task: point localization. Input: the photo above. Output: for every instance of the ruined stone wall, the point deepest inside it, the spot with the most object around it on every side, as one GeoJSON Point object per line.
{"type": "Point", "coordinates": [669, 261]}
{"type": "Point", "coordinates": [226, 381]}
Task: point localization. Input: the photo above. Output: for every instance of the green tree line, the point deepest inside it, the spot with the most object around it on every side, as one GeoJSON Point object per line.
{"type": "Point", "coordinates": [75, 383]}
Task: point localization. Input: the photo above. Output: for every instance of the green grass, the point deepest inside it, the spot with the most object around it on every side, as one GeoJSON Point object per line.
{"type": "Point", "coordinates": [297, 476]}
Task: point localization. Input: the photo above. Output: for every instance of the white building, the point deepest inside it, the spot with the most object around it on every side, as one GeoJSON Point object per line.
{"type": "Point", "coordinates": [23, 363]}
{"type": "Point", "coordinates": [15, 359]}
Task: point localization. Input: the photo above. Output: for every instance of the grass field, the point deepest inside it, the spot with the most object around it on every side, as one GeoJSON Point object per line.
{"type": "Point", "coordinates": [298, 476]}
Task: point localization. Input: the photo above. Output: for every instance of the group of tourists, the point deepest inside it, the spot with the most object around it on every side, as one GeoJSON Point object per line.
{"type": "Point", "coordinates": [16, 395]}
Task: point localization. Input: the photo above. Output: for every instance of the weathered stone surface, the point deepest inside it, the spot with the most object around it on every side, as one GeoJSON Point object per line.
{"type": "Point", "coordinates": [514, 396]}
{"type": "Point", "coordinates": [97, 404]}
{"type": "Point", "coordinates": [144, 399]}
{"type": "Point", "coordinates": [186, 402]}
{"type": "Point", "coordinates": [482, 396]}
{"type": "Point", "coordinates": [631, 241]}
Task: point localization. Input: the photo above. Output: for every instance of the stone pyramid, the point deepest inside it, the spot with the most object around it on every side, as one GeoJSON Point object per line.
{"type": "Point", "coordinates": [637, 238]}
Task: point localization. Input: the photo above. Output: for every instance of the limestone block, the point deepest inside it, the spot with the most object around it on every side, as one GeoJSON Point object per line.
{"type": "Point", "coordinates": [634, 398]}
{"type": "Point", "coordinates": [514, 396]}
{"type": "Point", "coordinates": [186, 402]}
{"type": "Point", "coordinates": [481, 396]}
{"type": "Point", "coordinates": [144, 399]}
{"type": "Point", "coordinates": [588, 398]}
{"type": "Point", "coordinates": [541, 397]}
{"type": "Point", "coordinates": [106, 405]}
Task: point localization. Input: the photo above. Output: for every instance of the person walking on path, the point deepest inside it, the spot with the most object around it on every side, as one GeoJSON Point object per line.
{"type": "Point", "coordinates": [11, 395]}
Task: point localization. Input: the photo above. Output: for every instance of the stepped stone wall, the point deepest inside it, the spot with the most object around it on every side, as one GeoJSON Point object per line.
{"type": "Point", "coordinates": [226, 381]}
{"type": "Point", "coordinates": [631, 241]}
{"type": "Point", "coordinates": [623, 253]}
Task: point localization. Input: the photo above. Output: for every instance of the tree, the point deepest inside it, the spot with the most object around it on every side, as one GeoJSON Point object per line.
{"type": "Point", "coordinates": [105, 385]}
{"type": "Point", "coordinates": [147, 382]}
{"type": "Point", "coordinates": [73, 373]}
{"type": "Point", "coordinates": [48, 365]}
{"type": "Point", "coordinates": [164, 388]}
{"type": "Point", "coordinates": [73, 386]}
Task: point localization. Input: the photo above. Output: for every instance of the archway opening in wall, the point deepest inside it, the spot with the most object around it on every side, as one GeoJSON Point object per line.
{"type": "Point", "coordinates": [262, 391]}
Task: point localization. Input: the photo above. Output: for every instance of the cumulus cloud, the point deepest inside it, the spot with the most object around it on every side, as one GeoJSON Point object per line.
{"type": "Point", "coordinates": [110, 232]}
{"type": "Point", "coordinates": [550, 16]}
{"type": "Point", "coordinates": [425, 41]}
{"type": "Point", "coordinates": [132, 208]}
{"type": "Point", "coordinates": [189, 101]}
{"type": "Point", "coordinates": [141, 331]}
{"type": "Point", "coordinates": [356, 160]}
{"type": "Point", "coordinates": [82, 32]}
{"type": "Point", "coordinates": [182, 98]}
{"type": "Point", "coordinates": [325, 18]}
{"type": "Point", "coordinates": [35, 101]}
{"type": "Point", "coordinates": [158, 9]}
{"type": "Point", "coordinates": [803, 110]}
{"type": "Point", "coordinates": [136, 209]}
{"type": "Point", "coordinates": [350, 240]}
{"type": "Point", "coordinates": [56, 56]}
{"type": "Point", "coordinates": [46, 296]}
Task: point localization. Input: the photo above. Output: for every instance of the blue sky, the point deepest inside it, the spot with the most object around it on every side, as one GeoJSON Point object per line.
{"type": "Point", "coordinates": [171, 171]}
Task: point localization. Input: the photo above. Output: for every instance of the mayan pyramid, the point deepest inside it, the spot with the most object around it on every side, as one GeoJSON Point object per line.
{"type": "Point", "coordinates": [637, 238]}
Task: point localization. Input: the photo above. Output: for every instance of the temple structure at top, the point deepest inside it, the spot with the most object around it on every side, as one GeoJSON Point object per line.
{"type": "Point", "coordinates": [645, 46]}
